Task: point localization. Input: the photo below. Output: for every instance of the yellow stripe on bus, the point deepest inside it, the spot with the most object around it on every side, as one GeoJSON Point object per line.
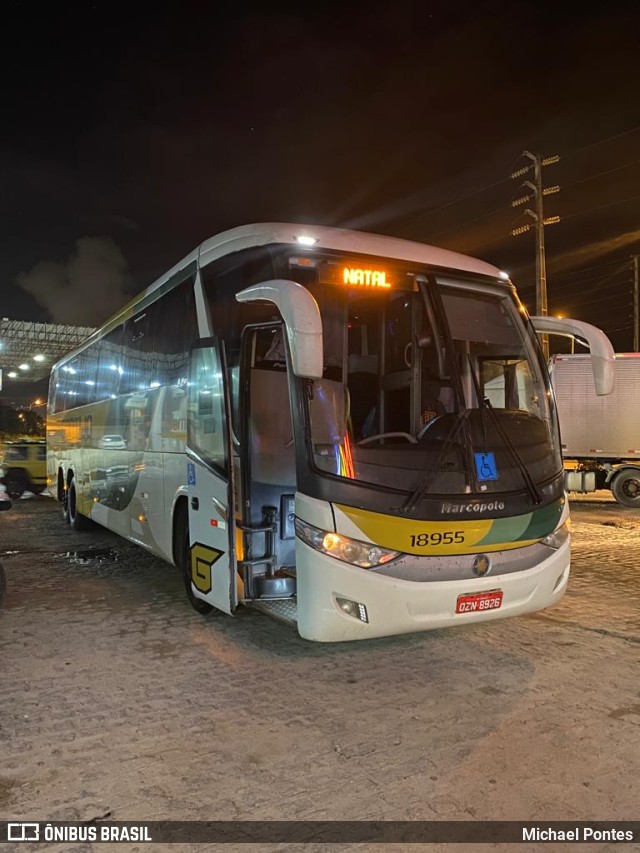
{"type": "Point", "coordinates": [427, 538]}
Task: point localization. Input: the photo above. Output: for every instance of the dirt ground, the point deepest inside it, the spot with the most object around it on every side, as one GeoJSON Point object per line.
{"type": "Point", "coordinates": [117, 698]}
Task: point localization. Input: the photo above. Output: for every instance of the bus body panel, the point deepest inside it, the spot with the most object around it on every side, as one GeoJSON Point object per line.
{"type": "Point", "coordinates": [400, 607]}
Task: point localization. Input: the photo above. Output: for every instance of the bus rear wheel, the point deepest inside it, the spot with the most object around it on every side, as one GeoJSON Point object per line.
{"type": "Point", "coordinates": [626, 488]}
{"type": "Point", "coordinates": [76, 519]}
{"type": "Point", "coordinates": [202, 607]}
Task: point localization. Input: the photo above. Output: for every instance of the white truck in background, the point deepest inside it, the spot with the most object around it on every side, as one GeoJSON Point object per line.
{"type": "Point", "coordinates": [600, 435]}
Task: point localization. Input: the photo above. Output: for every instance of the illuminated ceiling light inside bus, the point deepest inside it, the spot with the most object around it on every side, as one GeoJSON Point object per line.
{"type": "Point", "coordinates": [38, 358]}
{"type": "Point", "coordinates": [12, 375]}
{"type": "Point", "coordinates": [154, 385]}
{"type": "Point", "coordinates": [504, 275]}
{"type": "Point", "coordinates": [23, 366]}
{"type": "Point", "coordinates": [303, 262]}
{"type": "Point", "coordinates": [89, 382]}
{"type": "Point", "coordinates": [305, 240]}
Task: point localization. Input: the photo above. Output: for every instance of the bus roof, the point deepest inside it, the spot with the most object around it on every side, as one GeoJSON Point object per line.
{"type": "Point", "coordinates": [265, 233]}
{"type": "Point", "coordinates": [261, 234]}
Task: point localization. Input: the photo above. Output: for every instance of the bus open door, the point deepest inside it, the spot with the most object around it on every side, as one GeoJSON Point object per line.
{"type": "Point", "coordinates": [211, 567]}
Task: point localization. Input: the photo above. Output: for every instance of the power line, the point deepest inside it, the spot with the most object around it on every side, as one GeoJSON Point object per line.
{"type": "Point", "coordinates": [501, 239]}
{"type": "Point", "coordinates": [593, 267]}
{"type": "Point", "coordinates": [602, 299]}
{"type": "Point", "coordinates": [580, 283]}
{"type": "Point", "coordinates": [601, 207]}
{"type": "Point", "coordinates": [599, 174]}
{"type": "Point", "coordinates": [418, 216]}
{"type": "Point", "coordinates": [601, 142]}
{"type": "Point", "coordinates": [617, 328]}
{"type": "Point", "coordinates": [596, 277]}
{"type": "Point", "coordinates": [592, 287]}
{"type": "Point", "coordinates": [469, 222]}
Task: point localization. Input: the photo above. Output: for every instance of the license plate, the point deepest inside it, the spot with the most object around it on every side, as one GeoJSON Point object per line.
{"type": "Point", "coordinates": [479, 602]}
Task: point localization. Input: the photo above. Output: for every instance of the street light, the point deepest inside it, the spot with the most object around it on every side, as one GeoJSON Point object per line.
{"type": "Point", "coordinates": [573, 340]}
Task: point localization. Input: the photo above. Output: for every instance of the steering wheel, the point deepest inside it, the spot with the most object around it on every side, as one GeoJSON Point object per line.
{"type": "Point", "coordinates": [423, 429]}
{"type": "Point", "coordinates": [380, 435]}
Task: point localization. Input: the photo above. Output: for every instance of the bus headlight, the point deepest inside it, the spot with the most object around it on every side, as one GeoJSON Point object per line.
{"type": "Point", "coordinates": [556, 539]}
{"type": "Point", "coordinates": [353, 551]}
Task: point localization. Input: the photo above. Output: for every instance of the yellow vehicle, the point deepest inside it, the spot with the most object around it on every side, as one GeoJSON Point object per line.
{"type": "Point", "coordinates": [24, 467]}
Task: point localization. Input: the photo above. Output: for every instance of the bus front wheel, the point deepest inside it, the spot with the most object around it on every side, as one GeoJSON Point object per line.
{"type": "Point", "coordinates": [203, 607]}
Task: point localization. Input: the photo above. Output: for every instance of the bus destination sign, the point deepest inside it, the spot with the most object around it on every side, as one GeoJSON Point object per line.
{"type": "Point", "coordinates": [362, 277]}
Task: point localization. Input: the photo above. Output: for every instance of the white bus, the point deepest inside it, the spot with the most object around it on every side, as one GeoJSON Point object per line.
{"type": "Point", "coordinates": [353, 433]}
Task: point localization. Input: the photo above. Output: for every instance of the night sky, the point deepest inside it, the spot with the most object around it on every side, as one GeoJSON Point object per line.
{"type": "Point", "coordinates": [131, 133]}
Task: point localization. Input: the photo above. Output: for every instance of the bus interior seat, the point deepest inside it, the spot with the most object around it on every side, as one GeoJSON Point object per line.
{"type": "Point", "coordinates": [271, 435]}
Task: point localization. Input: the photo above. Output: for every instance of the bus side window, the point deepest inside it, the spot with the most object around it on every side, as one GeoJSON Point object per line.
{"type": "Point", "coordinates": [207, 416]}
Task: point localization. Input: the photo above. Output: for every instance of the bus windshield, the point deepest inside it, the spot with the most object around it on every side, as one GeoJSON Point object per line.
{"type": "Point", "coordinates": [436, 388]}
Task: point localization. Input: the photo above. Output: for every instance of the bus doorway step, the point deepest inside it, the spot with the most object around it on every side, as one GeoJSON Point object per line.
{"type": "Point", "coordinates": [283, 609]}
{"type": "Point", "coordinates": [276, 585]}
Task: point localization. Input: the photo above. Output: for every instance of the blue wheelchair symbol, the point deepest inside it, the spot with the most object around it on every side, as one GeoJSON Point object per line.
{"type": "Point", "coordinates": [486, 466]}
{"type": "Point", "coordinates": [191, 474]}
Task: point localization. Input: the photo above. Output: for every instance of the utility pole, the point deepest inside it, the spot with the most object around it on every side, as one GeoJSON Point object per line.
{"type": "Point", "coordinates": [536, 195]}
{"type": "Point", "coordinates": [636, 286]}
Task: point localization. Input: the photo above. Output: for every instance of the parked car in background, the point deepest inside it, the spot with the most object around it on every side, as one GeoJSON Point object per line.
{"type": "Point", "coordinates": [112, 441]}
{"type": "Point", "coordinates": [23, 467]}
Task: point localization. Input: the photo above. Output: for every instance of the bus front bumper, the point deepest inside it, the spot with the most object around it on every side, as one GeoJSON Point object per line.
{"type": "Point", "coordinates": [398, 606]}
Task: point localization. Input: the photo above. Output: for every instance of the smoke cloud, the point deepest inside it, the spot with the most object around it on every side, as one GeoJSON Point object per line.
{"type": "Point", "coordinates": [91, 286]}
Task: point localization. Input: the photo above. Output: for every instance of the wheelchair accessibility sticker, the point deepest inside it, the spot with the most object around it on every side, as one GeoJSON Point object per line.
{"type": "Point", "coordinates": [191, 474]}
{"type": "Point", "coordinates": [486, 466]}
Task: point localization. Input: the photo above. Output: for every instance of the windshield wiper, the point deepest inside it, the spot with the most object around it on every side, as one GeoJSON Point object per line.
{"type": "Point", "coordinates": [484, 404]}
{"type": "Point", "coordinates": [460, 423]}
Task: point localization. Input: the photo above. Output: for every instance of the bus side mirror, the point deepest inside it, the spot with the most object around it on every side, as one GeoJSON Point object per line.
{"type": "Point", "coordinates": [302, 321]}
{"type": "Point", "coordinates": [602, 353]}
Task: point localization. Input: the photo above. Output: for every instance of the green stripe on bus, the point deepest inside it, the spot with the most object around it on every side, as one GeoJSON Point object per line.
{"type": "Point", "coordinates": [531, 525]}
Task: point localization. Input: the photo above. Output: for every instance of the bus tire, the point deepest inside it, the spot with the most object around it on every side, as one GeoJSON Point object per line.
{"type": "Point", "coordinates": [77, 521]}
{"type": "Point", "coordinates": [202, 607]}
{"type": "Point", "coordinates": [626, 487]}
{"type": "Point", "coordinates": [65, 506]}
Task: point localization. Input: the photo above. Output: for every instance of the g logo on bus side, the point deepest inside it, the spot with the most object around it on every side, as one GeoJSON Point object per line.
{"type": "Point", "coordinates": [202, 559]}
